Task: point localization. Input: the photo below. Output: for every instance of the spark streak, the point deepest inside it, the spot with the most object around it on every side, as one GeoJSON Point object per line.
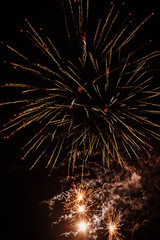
{"type": "Point", "coordinates": [113, 225]}
{"type": "Point", "coordinates": [79, 202]}
{"type": "Point", "coordinates": [94, 102]}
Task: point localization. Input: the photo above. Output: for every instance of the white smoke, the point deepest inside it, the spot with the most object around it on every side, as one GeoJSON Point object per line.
{"type": "Point", "coordinates": [121, 190]}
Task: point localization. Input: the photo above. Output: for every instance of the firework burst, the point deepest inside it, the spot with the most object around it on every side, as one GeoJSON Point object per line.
{"type": "Point", "coordinates": [95, 102]}
{"type": "Point", "coordinates": [119, 208]}
{"type": "Point", "coordinates": [112, 223]}
{"type": "Point", "coordinates": [79, 203]}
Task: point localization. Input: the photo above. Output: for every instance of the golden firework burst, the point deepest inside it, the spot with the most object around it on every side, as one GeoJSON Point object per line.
{"type": "Point", "coordinates": [79, 202]}
{"type": "Point", "coordinates": [112, 225]}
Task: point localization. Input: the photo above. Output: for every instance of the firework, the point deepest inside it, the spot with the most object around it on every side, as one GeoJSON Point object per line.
{"type": "Point", "coordinates": [82, 226]}
{"type": "Point", "coordinates": [119, 208]}
{"type": "Point", "coordinates": [95, 102]}
{"type": "Point", "coordinates": [79, 202]}
{"type": "Point", "coordinates": [113, 225]}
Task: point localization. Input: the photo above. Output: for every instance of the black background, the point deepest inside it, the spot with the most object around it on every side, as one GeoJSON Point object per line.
{"type": "Point", "coordinates": [22, 215]}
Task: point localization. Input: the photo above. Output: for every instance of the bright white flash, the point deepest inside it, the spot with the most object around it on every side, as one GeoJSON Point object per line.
{"type": "Point", "coordinates": [81, 209]}
{"type": "Point", "coordinates": [111, 228]}
{"type": "Point", "coordinates": [82, 226]}
{"type": "Point", "coordinates": [80, 197]}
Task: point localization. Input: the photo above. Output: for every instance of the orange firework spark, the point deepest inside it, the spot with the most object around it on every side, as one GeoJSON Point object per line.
{"type": "Point", "coordinates": [79, 202]}
{"type": "Point", "coordinates": [112, 225]}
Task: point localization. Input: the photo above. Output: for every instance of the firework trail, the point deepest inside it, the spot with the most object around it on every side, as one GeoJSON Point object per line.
{"type": "Point", "coordinates": [98, 101]}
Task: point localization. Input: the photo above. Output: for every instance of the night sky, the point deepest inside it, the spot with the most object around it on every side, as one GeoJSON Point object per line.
{"type": "Point", "coordinates": [22, 191]}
